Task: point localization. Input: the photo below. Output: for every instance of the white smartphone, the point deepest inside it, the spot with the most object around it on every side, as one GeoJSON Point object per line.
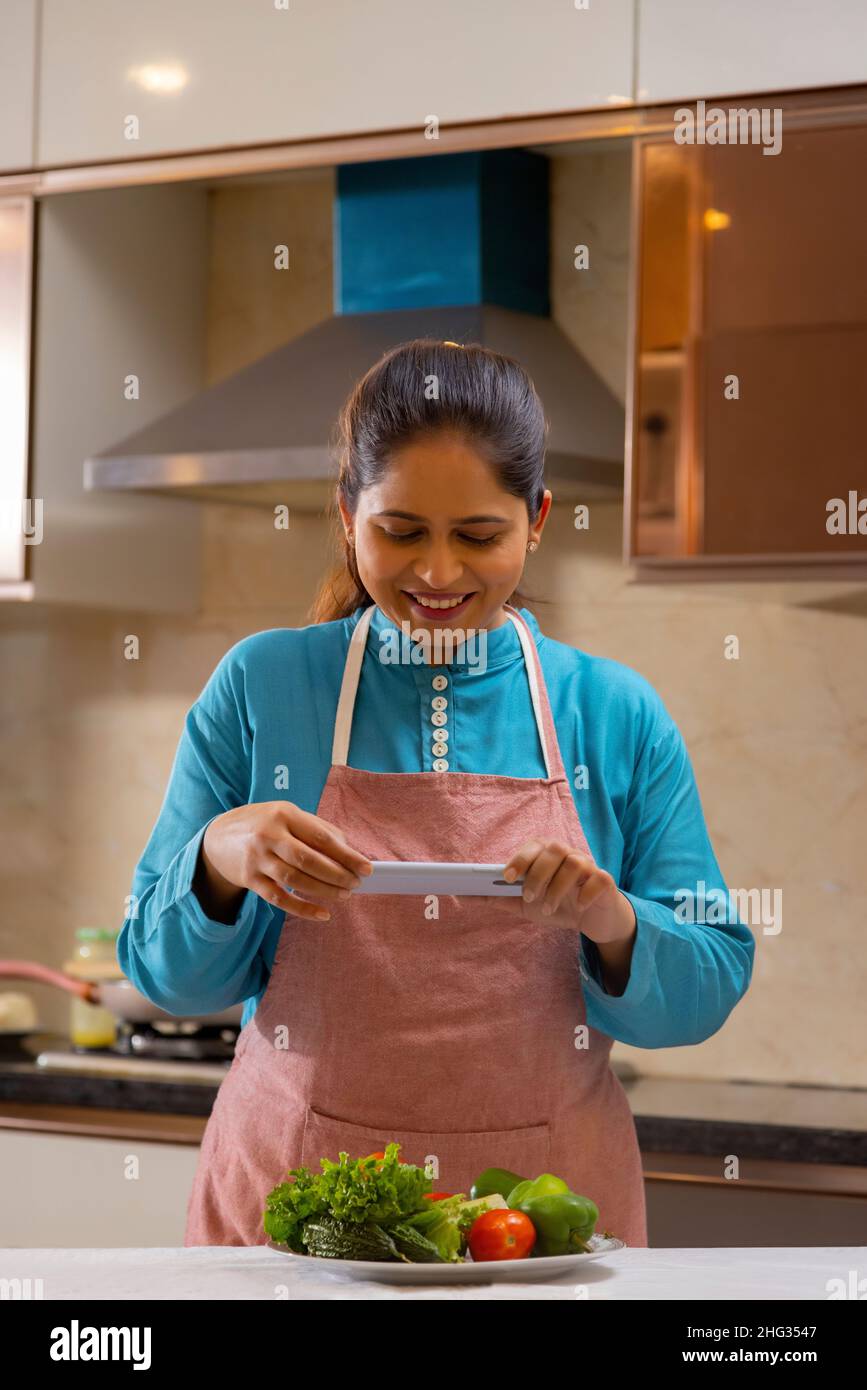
{"type": "Point", "coordinates": [458, 880]}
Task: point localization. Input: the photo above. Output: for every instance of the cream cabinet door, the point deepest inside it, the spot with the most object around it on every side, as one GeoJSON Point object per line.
{"type": "Point", "coordinates": [18, 518]}
{"type": "Point", "coordinates": [70, 1190]}
{"type": "Point", "coordinates": [698, 48]}
{"type": "Point", "coordinates": [121, 79]}
{"type": "Point", "coordinates": [17, 83]}
{"type": "Point", "coordinates": [119, 339]}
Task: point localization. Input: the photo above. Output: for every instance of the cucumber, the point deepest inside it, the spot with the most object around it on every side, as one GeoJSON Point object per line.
{"type": "Point", "coordinates": [416, 1247]}
{"type": "Point", "coordinates": [348, 1240]}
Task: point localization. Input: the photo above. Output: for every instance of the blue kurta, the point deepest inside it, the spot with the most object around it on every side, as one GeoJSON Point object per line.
{"type": "Point", "coordinates": [262, 730]}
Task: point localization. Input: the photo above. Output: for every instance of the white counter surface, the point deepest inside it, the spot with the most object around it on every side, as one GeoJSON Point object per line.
{"type": "Point", "coordinates": [256, 1272]}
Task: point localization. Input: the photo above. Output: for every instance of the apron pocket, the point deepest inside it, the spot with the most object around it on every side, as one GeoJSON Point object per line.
{"type": "Point", "coordinates": [456, 1157]}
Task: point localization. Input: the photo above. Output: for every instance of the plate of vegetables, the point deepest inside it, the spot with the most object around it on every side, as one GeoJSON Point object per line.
{"type": "Point", "coordinates": [377, 1218]}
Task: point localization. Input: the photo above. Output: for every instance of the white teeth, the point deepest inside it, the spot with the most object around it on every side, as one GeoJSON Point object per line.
{"type": "Point", "coordinates": [438, 602]}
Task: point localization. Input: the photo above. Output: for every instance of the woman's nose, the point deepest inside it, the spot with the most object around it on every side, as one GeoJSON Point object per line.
{"type": "Point", "coordinates": [438, 566]}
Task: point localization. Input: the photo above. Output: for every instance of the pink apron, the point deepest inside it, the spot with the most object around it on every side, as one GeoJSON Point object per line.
{"type": "Point", "coordinates": [456, 1034]}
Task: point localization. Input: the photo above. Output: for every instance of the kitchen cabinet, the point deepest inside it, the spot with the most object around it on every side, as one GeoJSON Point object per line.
{"type": "Point", "coordinates": [693, 48]}
{"type": "Point", "coordinates": [771, 1202]}
{"type": "Point", "coordinates": [18, 28]}
{"type": "Point", "coordinates": [133, 1192]}
{"type": "Point", "coordinates": [70, 1190]}
{"type": "Point", "coordinates": [801, 1176]}
{"type": "Point", "coordinates": [16, 269]}
{"type": "Point", "coordinates": [117, 339]}
{"type": "Point", "coordinates": [215, 73]}
{"type": "Point", "coordinates": [748, 405]}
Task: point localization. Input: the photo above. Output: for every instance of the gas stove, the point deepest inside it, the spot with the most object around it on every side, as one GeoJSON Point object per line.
{"type": "Point", "coordinates": [178, 1050]}
{"type": "Point", "coordinates": [179, 1041]}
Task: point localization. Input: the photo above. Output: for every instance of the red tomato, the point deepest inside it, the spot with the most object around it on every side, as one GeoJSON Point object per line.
{"type": "Point", "coordinates": [501, 1235]}
{"type": "Point", "coordinates": [437, 1196]}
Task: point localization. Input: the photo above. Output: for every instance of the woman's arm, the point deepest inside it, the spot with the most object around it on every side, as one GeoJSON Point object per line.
{"type": "Point", "coordinates": [684, 978]}
{"type": "Point", "coordinates": [188, 943]}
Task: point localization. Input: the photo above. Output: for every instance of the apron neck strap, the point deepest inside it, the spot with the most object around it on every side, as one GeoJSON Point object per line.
{"type": "Point", "coordinates": [352, 674]}
{"type": "Point", "coordinates": [348, 689]}
{"type": "Point", "coordinates": [528, 646]}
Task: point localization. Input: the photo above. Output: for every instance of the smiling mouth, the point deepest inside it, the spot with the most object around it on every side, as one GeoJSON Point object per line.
{"type": "Point", "coordinates": [440, 603]}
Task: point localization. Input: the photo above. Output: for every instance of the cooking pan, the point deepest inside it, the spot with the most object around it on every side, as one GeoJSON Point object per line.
{"type": "Point", "coordinates": [120, 997]}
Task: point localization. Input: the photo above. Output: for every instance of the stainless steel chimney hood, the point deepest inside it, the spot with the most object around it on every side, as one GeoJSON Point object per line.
{"type": "Point", "coordinates": [452, 246]}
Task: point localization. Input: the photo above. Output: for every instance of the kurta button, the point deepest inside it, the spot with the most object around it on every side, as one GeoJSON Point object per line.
{"type": "Point", "coordinates": [438, 718]}
{"type": "Point", "coordinates": [440, 750]}
{"type": "Point", "coordinates": [440, 765]}
{"type": "Point", "coordinates": [439, 702]}
{"type": "Point", "coordinates": [439, 682]}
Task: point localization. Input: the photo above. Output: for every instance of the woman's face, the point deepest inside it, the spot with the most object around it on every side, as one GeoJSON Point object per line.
{"type": "Point", "coordinates": [439, 526]}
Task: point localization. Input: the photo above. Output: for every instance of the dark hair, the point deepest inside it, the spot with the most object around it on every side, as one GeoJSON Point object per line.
{"type": "Point", "coordinates": [484, 396]}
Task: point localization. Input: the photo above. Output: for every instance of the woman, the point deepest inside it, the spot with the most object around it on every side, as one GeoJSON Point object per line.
{"type": "Point", "coordinates": [475, 1031]}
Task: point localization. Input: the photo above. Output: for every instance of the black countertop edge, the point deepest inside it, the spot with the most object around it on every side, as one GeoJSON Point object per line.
{"type": "Point", "coordinates": [783, 1143]}
{"type": "Point", "coordinates": [27, 1087]}
{"type": "Point", "coordinates": [671, 1134]}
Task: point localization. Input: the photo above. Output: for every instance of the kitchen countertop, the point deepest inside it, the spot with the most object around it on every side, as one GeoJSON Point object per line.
{"type": "Point", "coordinates": [255, 1272]}
{"type": "Point", "coordinates": [788, 1123]}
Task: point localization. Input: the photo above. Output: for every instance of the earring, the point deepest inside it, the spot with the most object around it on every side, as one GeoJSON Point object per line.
{"type": "Point", "coordinates": [532, 545]}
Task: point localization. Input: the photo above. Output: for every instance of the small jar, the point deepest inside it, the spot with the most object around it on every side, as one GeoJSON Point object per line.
{"type": "Point", "coordinates": [95, 958]}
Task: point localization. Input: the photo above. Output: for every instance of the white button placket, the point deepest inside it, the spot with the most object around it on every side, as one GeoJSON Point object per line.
{"type": "Point", "coordinates": [439, 720]}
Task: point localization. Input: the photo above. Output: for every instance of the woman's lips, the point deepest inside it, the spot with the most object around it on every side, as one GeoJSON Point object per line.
{"type": "Point", "coordinates": [422, 611]}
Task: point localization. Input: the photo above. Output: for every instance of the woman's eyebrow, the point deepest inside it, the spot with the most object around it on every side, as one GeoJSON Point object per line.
{"type": "Point", "coordinates": [460, 520]}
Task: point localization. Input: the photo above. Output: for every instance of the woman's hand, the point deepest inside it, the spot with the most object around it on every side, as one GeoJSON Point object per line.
{"type": "Point", "coordinates": [565, 888]}
{"type": "Point", "coordinates": [270, 846]}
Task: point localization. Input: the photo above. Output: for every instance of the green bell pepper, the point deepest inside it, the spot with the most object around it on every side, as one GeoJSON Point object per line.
{"type": "Point", "coordinates": [546, 1185]}
{"type": "Point", "coordinates": [564, 1221]}
{"type": "Point", "coordinates": [494, 1180]}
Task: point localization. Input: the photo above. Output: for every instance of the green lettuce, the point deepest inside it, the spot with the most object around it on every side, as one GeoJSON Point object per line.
{"type": "Point", "coordinates": [380, 1191]}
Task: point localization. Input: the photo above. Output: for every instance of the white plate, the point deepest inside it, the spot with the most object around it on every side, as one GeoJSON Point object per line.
{"type": "Point", "coordinates": [465, 1272]}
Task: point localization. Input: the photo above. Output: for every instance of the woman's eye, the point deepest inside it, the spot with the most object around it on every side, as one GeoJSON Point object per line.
{"type": "Point", "coordinates": [413, 535]}
{"type": "Point", "coordinates": [480, 540]}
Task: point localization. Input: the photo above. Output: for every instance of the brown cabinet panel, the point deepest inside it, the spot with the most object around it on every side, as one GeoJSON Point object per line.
{"type": "Point", "coordinates": [794, 251]}
{"type": "Point", "coordinates": [695, 1215]}
{"type": "Point", "coordinates": [749, 409]}
{"type": "Point", "coordinates": [795, 438]}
